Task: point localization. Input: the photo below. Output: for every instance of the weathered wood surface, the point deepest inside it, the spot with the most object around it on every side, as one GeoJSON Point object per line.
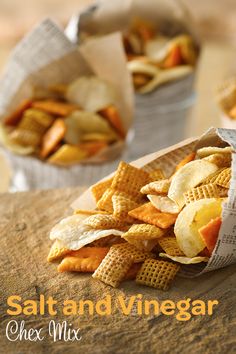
{"type": "Point", "coordinates": [25, 221]}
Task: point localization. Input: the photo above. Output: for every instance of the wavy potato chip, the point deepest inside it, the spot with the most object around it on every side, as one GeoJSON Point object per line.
{"type": "Point", "coordinates": [91, 93]}
{"type": "Point", "coordinates": [191, 219]}
{"type": "Point", "coordinates": [74, 235]}
{"type": "Point", "coordinates": [67, 155]}
{"type": "Point", "coordinates": [157, 187]}
{"type": "Point", "coordinates": [164, 204]}
{"type": "Point", "coordinates": [89, 122]}
{"type": "Point", "coordinates": [12, 146]}
{"type": "Point", "coordinates": [188, 177]}
{"type": "Point", "coordinates": [211, 150]}
{"type": "Point", "coordinates": [185, 260]}
{"type": "Point", "coordinates": [164, 76]}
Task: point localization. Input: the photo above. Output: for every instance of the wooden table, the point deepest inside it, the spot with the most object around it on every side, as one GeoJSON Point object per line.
{"type": "Point", "coordinates": [25, 221]}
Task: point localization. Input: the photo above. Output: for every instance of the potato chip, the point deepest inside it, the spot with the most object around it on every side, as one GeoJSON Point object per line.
{"type": "Point", "coordinates": [99, 188]}
{"type": "Point", "coordinates": [67, 155]}
{"type": "Point", "coordinates": [156, 188]}
{"type": "Point", "coordinates": [205, 191]}
{"type": "Point", "coordinates": [101, 221]}
{"type": "Point", "coordinates": [164, 204]}
{"type": "Point", "coordinates": [220, 160]}
{"type": "Point", "coordinates": [6, 141]}
{"type": "Point", "coordinates": [111, 114]}
{"type": "Point", "coordinates": [52, 137]}
{"type": "Point", "coordinates": [129, 179]}
{"type": "Point", "coordinates": [188, 177]}
{"type": "Point", "coordinates": [190, 220]}
{"type": "Point", "coordinates": [14, 118]}
{"type": "Point", "coordinates": [83, 122]}
{"type": "Point", "coordinates": [185, 260]}
{"type": "Point", "coordinates": [132, 252]}
{"type": "Point", "coordinates": [113, 267]}
{"type": "Point", "coordinates": [157, 175]}
{"type": "Point", "coordinates": [169, 244]}
{"type": "Point", "coordinates": [151, 215]}
{"type": "Point", "coordinates": [57, 251]}
{"type": "Point", "coordinates": [157, 274]}
{"type": "Point", "coordinates": [143, 232]}
{"type": "Point", "coordinates": [74, 235]}
{"type": "Point", "coordinates": [167, 75]}
{"type": "Point", "coordinates": [92, 93]}
{"type": "Point", "coordinates": [211, 150]}
{"type": "Point", "coordinates": [186, 160]}
{"type": "Point", "coordinates": [25, 138]}
{"type": "Point", "coordinates": [139, 67]}
{"type": "Point", "coordinates": [223, 179]}
{"type": "Point", "coordinates": [56, 108]}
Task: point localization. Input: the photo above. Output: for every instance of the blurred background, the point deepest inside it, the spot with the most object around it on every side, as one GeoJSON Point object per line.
{"type": "Point", "coordinates": [215, 20]}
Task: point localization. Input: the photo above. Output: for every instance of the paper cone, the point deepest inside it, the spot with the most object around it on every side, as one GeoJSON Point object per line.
{"type": "Point", "coordinates": [46, 57]}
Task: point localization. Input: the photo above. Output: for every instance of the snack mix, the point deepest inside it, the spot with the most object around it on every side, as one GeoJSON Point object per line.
{"type": "Point", "coordinates": [147, 225]}
{"type": "Point", "coordinates": [154, 59]}
{"type": "Point", "coordinates": [65, 124]}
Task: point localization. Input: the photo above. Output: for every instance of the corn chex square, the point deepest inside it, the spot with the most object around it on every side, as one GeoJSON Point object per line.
{"type": "Point", "coordinates": [99, 188]}
{"type": "Point", "coordinates": [132, 252]}
{"type": "Point", "coordinates": [223, 179]}
{"type": "Point", "coordinates": [143, 232]}
{"type": "Point", "coordinates": [157, 273]}
{"type": "Point", "coordinates": [113, 267]}
{"type": "Point", "coordinates": [170, 246]}
{"type": "Point", "coordinates": [205, 191]}
{"type": "Point", "coordinates": [129, 179]}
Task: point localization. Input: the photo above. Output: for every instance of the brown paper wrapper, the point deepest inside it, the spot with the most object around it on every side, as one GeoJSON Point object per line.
{"type": "Point", "coordinates": [225, 251]}
{"type": "Point", "coordinates": [46, 57]}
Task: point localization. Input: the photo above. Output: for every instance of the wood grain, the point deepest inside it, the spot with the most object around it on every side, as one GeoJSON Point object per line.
{"type": "Point", "coordinates": [25, 221]}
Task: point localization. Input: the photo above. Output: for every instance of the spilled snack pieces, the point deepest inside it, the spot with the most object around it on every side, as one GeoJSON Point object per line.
{"type": "Point", "coordinates": [154, 58]}
{"type": "Point", "coordinates": [79, 122]}
{"type": "Point", "coordinates": [132, 234]}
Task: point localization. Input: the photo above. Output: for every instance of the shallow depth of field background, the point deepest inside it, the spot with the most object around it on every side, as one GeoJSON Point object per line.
{"type": "Point", "coordinates": [217, 26]}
